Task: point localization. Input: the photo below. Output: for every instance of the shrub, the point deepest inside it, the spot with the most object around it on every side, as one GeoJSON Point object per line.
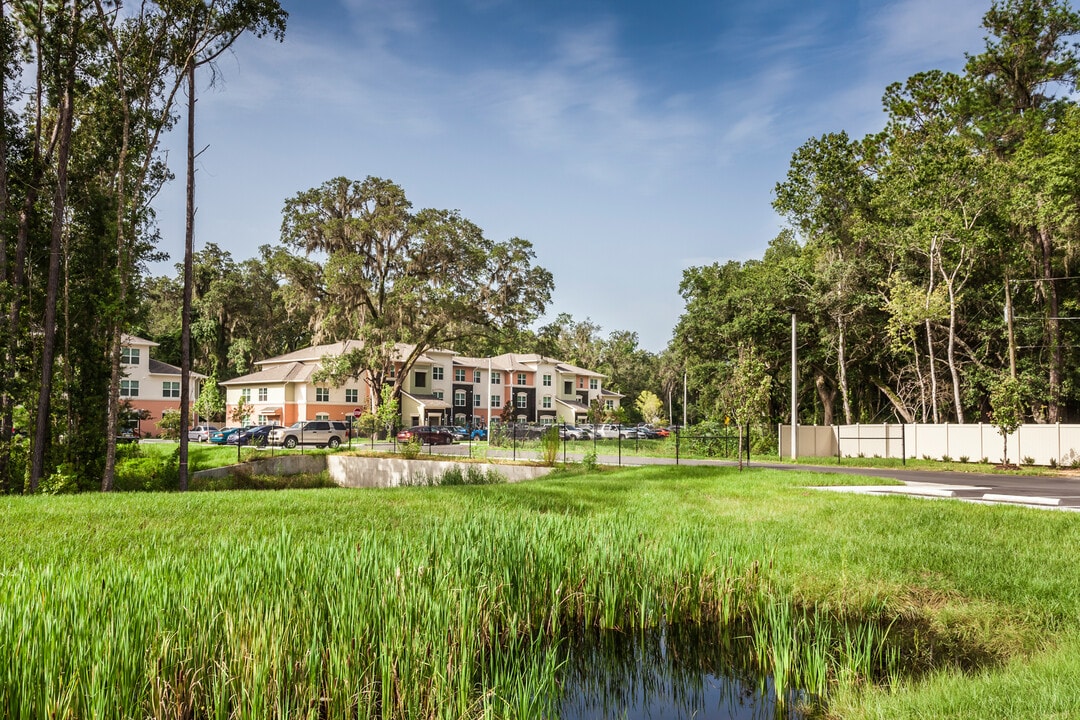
{"type": "Point", "coordinates": [411, 449]}
{"type": "Point", "coordinates": [964, 458]}
{"type": "Point", "coordinates": [63, 480]}
{"type": "Point", "coordinates": [1028, 460]}
{"type": "Point", "coordinates": [148, 472]}
{"type": "Point", "coordinates": [550, 444]}
{"type": "Point", "coordinates": [946, 458]}
{"type": "Point", "coordinates": [589, 460]}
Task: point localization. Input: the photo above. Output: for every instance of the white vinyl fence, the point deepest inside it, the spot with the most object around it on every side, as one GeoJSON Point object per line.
{"type": "Point", "coordinates": [1044, 444]}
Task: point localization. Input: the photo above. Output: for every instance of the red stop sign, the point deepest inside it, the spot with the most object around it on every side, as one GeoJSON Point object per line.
{"type": "Point", "coordinates": [357, 412]}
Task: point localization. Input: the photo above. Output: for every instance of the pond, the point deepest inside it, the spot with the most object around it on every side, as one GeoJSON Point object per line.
{"type": "Point", "coordinates": [672, 673]}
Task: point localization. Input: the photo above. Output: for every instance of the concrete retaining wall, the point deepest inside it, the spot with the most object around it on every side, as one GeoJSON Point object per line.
{"type": "Point", "coordinates": [283, 465]}
{"type": "Point", "coordinates": [349, 471]}
{"type": "Point", "coordinates": [352, 471]}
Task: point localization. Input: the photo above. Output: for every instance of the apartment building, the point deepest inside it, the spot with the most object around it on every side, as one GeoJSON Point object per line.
{"type": "Point", "coordinates": [443, 388]}
{"type": "Point", "coordinates": [150, 387]}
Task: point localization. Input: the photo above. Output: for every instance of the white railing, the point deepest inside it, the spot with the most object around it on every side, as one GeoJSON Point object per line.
{"type": "Point", "coordinates": [1043, 444]}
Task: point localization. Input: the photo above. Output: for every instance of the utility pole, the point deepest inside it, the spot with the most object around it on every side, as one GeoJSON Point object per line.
{"type": "Point", "coordinates": [794, 389]}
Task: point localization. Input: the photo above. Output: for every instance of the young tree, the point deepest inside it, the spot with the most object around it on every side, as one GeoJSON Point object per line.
{"type": "Point", "coordinates": [745, 392]}
{"type": "Point", "coordinates": [1006, 410]}
{"type": "Point", "coordinates": [650, 407]}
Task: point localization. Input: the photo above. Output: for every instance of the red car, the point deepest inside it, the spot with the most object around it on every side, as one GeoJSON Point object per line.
{"type": "Point", "coordinates": [427, 435]}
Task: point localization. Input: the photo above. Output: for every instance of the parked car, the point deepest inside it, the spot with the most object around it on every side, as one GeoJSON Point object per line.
{"type": "Point", "coordinates": [449, 429]}
{"type": "Point", "coordinates": [221, 436]}
{"type": "Point", "coordinates": [629, 433]}
{"type": "Point", "coordinates": [128, 435]}
{"type": "Point", "coordinates": [572, 432]}
{"type": "Point", "coordinates": [647, 433]}
{"type": "Point", "coordinates": [201, 433]}
{"type": "Point", "coordinates": [257, 435]}
{"type": "Point", "coordinates": [320, 433]}
{"type": "Point", "coordinates": [608, 431]}
{"type": "Point", "coordinates": [478, 434]}
{"type": "Point", "coordinates": [427, 434]}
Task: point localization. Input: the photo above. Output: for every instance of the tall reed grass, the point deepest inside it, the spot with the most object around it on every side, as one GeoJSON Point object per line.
{"type": "Point", "coordinates": [455, 619]}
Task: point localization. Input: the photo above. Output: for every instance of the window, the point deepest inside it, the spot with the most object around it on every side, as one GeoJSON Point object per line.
{"type": "Point", "coordinates": [547, 381]}
{"type": "Point", "coordinates": [420, 379]}
{"type": "Point", "coordinates": [496, 401]}
{"type": "Point", "coordinates": [322, 395]}
{"type": "Point", "coordinates": [594, 383]}
{"type": "Point", "coordinates": [264, 393]}
{"type": "Point", "coordinates": [352, 395]}
{"type": "Point", "coordinates": [523, 379]}
{"type": "Point", "coordinates": [129, 388]}
{"type": "Point", "coordinates": [545, 421]}
{"type": "Point", "coordinates": [129, 356]}
{"type": "Point", "coordinates": [496, 378]}
{"type": "Point", "coordinates": [459, 374]}
{"type": "Point", "coordinates": [568, 387]}
{"type": "Point", "coordinates": [438, 394]}
{"type": "Point", "coordinates": [522, 401]}
{"type": "Point", "coordinates": [319, 416]}
{"type": "Point", "coordinates": [609, 404]}
{"type": "Point", "coordinates": [391, 373]}
{"type": "Point", "coordinates": [581, 383]}
{"type": "Point", "coordinates": [546, 402]}
{"type": "Point", "coordinates": [476, 377]}
{"type": "Point", "coordinates": [437, 373]}
{"type": "Point", "coordinates": [459, 398]}
{"type": "Point", "coordinates": [476, 400]}
{"type": "Point", "coordinates": [245, 394]}
{"type": "Point", "coordinates": [170, 389]}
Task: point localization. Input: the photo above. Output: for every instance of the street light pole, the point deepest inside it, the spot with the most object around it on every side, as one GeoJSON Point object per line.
{"type": "Point", "coordinates": [794, 389]}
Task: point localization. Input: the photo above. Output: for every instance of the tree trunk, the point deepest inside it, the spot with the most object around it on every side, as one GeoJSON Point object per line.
{"type": "Point", "coordinates": [1053, 327]}
{"type": "Point", "coordinates": [48, 355]}
{"type": "Point", "coordinates": [950, 284]}
{"type": "Point", "coordinates": [902, 411]}
{"type": "Point", "coordinates": [933, 371]}
{"type": "Point", "coordinates": [827, 396]}
{"type": "Point", "coordinates": [185, 317]}
{"type": "Point", "coordinates": [842, 360]}
{"type": "Point", "coordinates": [5, 419]}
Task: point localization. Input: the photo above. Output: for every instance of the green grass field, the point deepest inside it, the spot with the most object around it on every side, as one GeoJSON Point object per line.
{"type": "Point", "coordinates": [448, 602]}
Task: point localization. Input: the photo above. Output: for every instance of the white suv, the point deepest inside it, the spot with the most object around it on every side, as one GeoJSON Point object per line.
{"type": "Point", "coordinates": [320, 433]}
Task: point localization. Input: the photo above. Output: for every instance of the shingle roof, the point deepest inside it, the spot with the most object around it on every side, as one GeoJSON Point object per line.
{"type": "Point", "coordinates": [162, 368]}
{"type": "Point", "coordinates": [281, 373]}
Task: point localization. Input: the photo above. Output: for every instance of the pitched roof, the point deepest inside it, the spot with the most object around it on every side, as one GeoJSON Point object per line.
{"type": "Point", "coordinates": [316, 353]}
{"type": "Point", "coordinates": [162, 368]}
{"type": "Point", "coordinates": [430, 402]}
{"type": "Point", "coordinates": [275, 374]}
{"type": "Point", "coordinates": [313, 353]}
{"type": "Point", "coordinates": [129, 340]}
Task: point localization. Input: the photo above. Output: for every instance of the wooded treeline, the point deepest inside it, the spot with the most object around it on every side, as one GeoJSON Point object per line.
{"type": "Point", "coordinates": [928, 263]}
{"type": "Point", "coordinates": [87, 88]}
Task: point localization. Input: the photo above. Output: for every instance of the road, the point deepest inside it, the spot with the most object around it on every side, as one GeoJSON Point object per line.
{"type": "Point", "coordinates": [1056, 491]}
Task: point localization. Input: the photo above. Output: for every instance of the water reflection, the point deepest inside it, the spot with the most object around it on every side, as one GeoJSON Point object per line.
{"type": "Point", "coordinates": [672, 673]}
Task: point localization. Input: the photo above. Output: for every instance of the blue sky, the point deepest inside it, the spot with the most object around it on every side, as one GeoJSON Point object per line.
{"type": "Point", "coordinates": [626, 140]}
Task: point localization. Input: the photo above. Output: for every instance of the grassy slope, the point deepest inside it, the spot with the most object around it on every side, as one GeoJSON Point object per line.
{"type": "Point", "coordinates": [1003, 580]}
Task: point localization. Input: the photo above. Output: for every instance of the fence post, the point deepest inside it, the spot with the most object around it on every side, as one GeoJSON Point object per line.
{"type": "Point", "coordinates": [836, 430]}
{"type": "Point", "coordinates": [747, 444]}
{"type": "Point", "coordinates": [619, 441]}
{"type": "Point", "coordinates": [676, 444]}
{"type": "Point", "coordinates": [903, 444]}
